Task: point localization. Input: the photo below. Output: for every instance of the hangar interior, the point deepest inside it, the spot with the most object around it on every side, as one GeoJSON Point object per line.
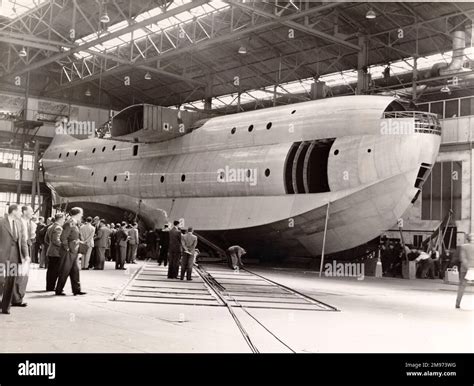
{"type": "Point", "coordinates": [84, 61]}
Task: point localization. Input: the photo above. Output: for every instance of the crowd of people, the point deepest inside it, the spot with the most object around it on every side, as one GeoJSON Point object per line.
{"type": "Point", "coordinates": [66, 243]}
{"type": "Point", "coordinates": [99, 241]}
{"type": "Point", "coordinates": [430, 264]}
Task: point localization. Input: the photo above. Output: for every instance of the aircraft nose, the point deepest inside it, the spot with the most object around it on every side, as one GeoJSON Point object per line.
{"type": "Point", "coordinates": [403, 145]}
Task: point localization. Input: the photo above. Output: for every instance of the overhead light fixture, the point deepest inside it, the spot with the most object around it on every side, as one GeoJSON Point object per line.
{"type": "Point", "coordinates": [370, 14]}
{"type": "Point", "coordinates": [147, 76]}
{"type": "Point", "coordinates": [445, 88]}
{"type": "Point", "coordinates": [88, 93]}
{"type": "Point", "coordinates": [242, 50]}
{"type": "Point", "coordinates": [23, 52]}
{"type": "Point", "coordinates": [104, 18]}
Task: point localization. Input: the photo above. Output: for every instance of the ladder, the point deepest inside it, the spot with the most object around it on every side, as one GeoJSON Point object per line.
{"type": "Point", "coordinates": [436, 239]}
{"type": "Point", "coordinates": [218, 251]}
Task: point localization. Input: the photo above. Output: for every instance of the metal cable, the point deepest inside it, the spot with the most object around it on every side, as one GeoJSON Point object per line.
{"type": "Point", "coordinates": [218, 289]}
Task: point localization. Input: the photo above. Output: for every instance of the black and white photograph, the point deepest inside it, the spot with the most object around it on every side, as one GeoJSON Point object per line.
{"type": "Point", "coordinates": [240, 177]}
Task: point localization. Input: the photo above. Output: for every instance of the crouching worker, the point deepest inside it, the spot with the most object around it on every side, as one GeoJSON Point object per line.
{"type": "Point", "coordinates": [234, 256]}
{"type": "Point", "coordinates": [189, 242]}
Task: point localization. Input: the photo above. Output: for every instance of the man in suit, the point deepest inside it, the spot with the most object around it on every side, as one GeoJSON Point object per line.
{"type": "Point", "coordinates": [164, 242]}
{"type": "Point", "coordinates": [101, 241]}
{"type": "Point", "coordinates": [38, 240]}
{"type": "Point", "coordinates": [122, 241]}
{"type": "Point", "coordinates": [466, 262]}
{"type": "Point", "coordinates": [150, 241]}
{"type": "Point", "coordinates": [189, 243]}
{"type": "Point", "coordinates": [29, 233]}
{"type": "Point", "coordinates": [133, 242]}
{"type": "Point", "coordinates": [93, 257]}
{"type": "Point", "coordinates": [69, 254]}
{"type": "Point", "coordinates": [174, 251]}
{"type": "Point", "coordinates": [13, 252]}
{"type": "Point", "coordinates": [113, 242]}
{"type": "Point", "coordinates": [43, 261]}
{"type": "Point", "coordinates": [53, 240]}
{"type": "Point", "coordinates": [87, 232]}
{"type": "Point", "coordinates": [32, 231]}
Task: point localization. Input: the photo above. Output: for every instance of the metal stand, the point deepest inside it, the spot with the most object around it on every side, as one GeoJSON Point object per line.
{"type": "Point", "coordinates": [324, 240]}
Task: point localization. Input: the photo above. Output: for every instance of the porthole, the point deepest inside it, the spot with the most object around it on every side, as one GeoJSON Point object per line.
{"type": "Point", "coordinates": [67, 154]}
{"type": "Point", "coordinates": [75, 153]}
{"type": "Point", "coordinates": [114, 147]}
{"type": "Point", "coordinates": [294, 111]}
{"type": "Point", "coordinates": [250, 128]}
{"type": "Point", "coordinates": [249, 173]}
{"type": "Point", "coordinates": [105, 179]}
{"type": "Point", "coordinates": [103, 149]}
{"type": "Point", "coordinates": [233, 130]}
{"type": "Point", "coordinates": [267, 172]}
{"type": "Point", "coordinates": [162, 179]}
{"type": "Point", "coordinates": [269, 125]}
{"type": "Point", "coordinates": [93, 150]}
{"type": "Point", "coordinates": [183, 177]}
{"type": "Point", "coordinates": [60, 154]}
{"type": "Point", "coordinates": [336, 152]}
{"type": "Point", "coordinates": [369, 150]}
{"type": "Point", "coordinates": [115, 178]}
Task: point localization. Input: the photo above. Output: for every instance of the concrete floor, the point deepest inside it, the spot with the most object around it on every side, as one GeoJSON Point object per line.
{"type": "Point", "coordinates": [376, 315]}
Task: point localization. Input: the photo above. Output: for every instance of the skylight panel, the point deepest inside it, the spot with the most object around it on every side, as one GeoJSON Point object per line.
{"type": "Point", "coordinates": [218, 4]}
{"type": "Point", "coordinates": [82, 55]}
{"type": "Point", "coordinates": [168, 23]}
{"type": "Point", "coordinates": [15, 8]}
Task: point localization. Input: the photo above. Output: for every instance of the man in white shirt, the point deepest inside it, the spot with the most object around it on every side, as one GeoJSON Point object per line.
{"type": "Point", "coordinates": [234, 254]}
{"type": "Point", "coordinates": [426, 265]}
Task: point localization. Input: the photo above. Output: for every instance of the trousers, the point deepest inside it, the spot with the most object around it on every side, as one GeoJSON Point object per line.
{"type": "Point", "coordinates": [69, 269]}
{"type": "Point", "coordinates": [173, 267]}
{"type": "Point", "coordinates": [187, 262]}
{"type": "Point", "coordinates": [52, 273]}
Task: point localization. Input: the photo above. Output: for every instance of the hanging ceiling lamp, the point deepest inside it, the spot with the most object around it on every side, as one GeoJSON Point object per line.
{"type": "Point", "coordinates": [370, 14]}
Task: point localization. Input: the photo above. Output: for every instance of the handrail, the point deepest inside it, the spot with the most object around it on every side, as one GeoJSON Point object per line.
{"type": "Point", "coordinates": [411, 114]}
{"type": "Point", "coordinates": [426, 122]}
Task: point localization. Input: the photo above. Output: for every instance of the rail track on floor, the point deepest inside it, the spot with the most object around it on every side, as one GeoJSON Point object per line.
{"type": "Point", "coordinates": [216, 285]}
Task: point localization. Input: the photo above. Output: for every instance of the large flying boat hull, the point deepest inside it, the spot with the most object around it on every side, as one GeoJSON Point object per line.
{"type": "Point", "coordinates": [338, 156]}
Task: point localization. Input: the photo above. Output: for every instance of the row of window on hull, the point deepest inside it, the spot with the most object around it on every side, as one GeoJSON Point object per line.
{"type": "Point", "coordinates": [183, 176]}
{"type": "Point", "coordinates": [135, 147]}
{"type": "Point", "coordinates": [134, 151]}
